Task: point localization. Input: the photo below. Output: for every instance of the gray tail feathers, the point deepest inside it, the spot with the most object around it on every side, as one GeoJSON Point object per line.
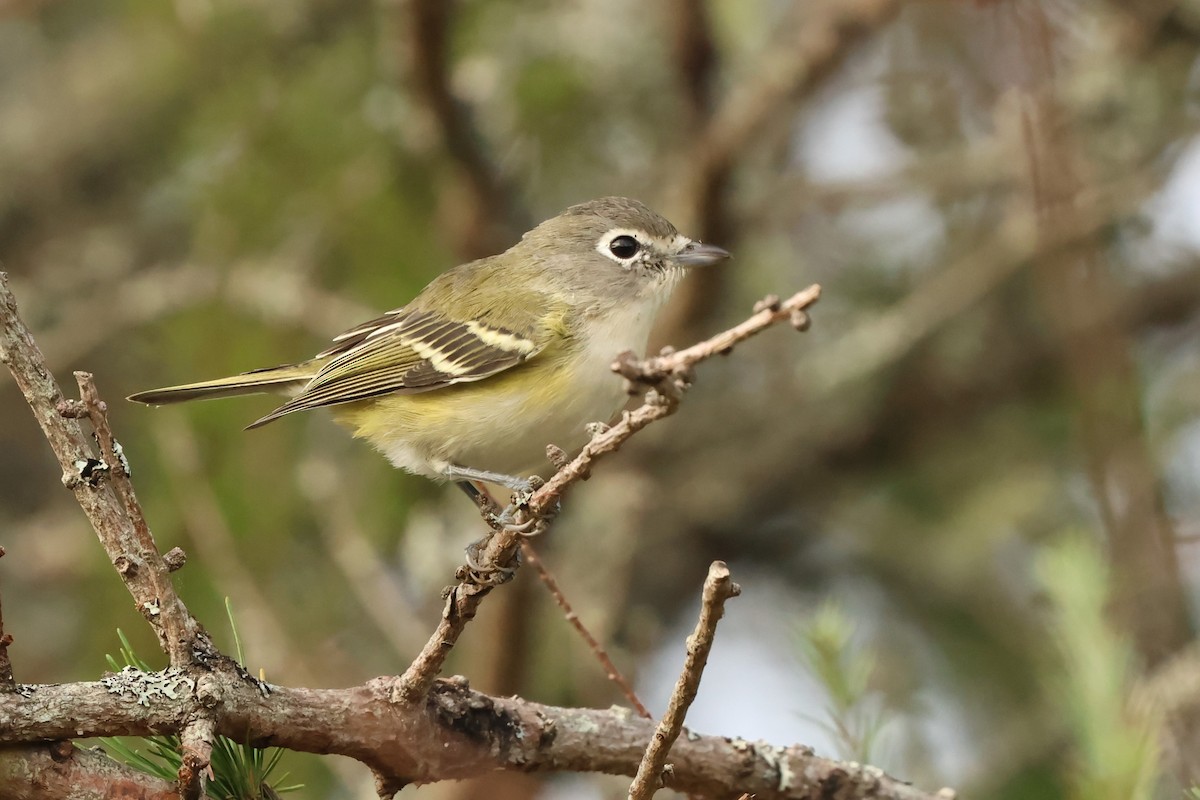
{"type": "Point", "coordinates": [277, 379]}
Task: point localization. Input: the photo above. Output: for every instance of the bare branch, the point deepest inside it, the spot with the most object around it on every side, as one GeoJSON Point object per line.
{"type": "Point", "coordinates": [196, 740]}
{"type": "Point", "coordinates": [453, 733]}
{"type": "Point", "coordinates": [100, 484]}
{"type": "Point", "coordinates": [177, 623]}
{"type": "Point", "coordinates": [495, 562]}
{"type": "Point", "coordinates": [717, 589]}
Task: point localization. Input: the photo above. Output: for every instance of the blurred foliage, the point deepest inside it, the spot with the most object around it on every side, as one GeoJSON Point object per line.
{"type": "Point", "coordinates": [1117, 755]}
{"type": "Point", "coordinates": [853, 716]}
{"type": "Point", "coordinates": [199, 187]}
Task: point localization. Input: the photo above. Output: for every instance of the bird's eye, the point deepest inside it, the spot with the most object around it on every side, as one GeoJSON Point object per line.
{"type": "Point", "coordinates": [624, 247]}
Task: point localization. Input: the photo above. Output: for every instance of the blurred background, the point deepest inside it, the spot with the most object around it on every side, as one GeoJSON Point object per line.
{"type": "Point", "coordinates": [964, 508]}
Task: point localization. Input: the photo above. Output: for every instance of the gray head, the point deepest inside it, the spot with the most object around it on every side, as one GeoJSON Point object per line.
{"type": "Point", "coordinates": [620, 240]}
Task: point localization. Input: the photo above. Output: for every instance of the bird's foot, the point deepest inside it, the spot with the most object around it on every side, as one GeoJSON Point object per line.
{"type": "Point", "coordinates": [478, 572]}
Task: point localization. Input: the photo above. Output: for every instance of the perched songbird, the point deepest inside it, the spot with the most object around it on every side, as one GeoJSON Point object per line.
{"type": "Point", "coordinates": [496, 358]}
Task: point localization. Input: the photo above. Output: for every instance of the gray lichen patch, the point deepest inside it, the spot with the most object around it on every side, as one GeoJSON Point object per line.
{"type": "Point", "coordinates": [145, 687]}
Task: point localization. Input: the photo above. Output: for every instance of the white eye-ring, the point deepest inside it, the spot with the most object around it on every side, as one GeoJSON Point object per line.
{"type": "Point", "coordinates": [621, 245]}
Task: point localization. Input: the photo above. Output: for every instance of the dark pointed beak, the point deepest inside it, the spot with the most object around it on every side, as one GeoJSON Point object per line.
{"type": "Point", "coordinates": [699, 254]}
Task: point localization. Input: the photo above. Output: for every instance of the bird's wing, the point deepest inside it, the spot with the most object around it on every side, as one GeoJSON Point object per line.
{"type": "Point", "coordinates": [418, 350]}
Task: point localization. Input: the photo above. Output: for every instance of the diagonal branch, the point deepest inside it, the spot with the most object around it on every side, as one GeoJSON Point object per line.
{"type": "Point", "coordinates": [101, 486]}
{"type": "Point", "coordinates": [531, 557]}
{"type": "Point", "coordinates": [667, 376]}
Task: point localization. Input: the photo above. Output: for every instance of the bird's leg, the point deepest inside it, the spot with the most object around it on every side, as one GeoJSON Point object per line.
{"type": "Point", "coordinates": [471, 481]}
{"type": "Point", "coordinates": [462, 474]}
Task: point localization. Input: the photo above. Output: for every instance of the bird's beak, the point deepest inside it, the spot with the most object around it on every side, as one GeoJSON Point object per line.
{"type": "Point", "coordinates": [699, 254]}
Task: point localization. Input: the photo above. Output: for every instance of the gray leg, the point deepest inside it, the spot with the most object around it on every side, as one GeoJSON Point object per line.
{"type": "Point", "coordinates": [461, 474]}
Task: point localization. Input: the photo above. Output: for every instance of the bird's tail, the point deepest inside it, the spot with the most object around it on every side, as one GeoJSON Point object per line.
{"type": "Point", "coordinates": [277, 379]}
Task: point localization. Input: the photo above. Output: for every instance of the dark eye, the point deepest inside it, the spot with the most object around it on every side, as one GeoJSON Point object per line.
{"type": "Point", "coordinates": [624, 247]}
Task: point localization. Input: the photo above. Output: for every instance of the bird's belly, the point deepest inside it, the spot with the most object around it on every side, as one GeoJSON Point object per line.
{"type": "Point", "coordinates": [504, 422]}
{"type": "Point", "coordinates": [500, 424]}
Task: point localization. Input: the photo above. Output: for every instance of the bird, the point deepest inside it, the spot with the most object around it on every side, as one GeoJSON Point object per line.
{"type": "Point", "coordinates": [496, 358]}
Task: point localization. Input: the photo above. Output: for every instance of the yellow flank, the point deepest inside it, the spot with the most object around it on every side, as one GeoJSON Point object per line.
{"type": "Point", "coordinates": [498, 423]}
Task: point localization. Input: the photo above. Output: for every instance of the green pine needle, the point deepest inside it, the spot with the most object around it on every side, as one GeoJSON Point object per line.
{"type": "Point", "coordinates": [240, 772]}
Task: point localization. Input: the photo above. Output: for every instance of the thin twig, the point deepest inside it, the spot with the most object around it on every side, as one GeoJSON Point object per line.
{"type": "Point", "coordinates": [718, 587]}
{"type": "Point", "coordinates": [668, 373]}
{"type": "Point", "coordinates": [99, 485]}
{"type": "Point", "coordinates": [7, 682]}
{"type": "Point", "coordinates": [531, 558]}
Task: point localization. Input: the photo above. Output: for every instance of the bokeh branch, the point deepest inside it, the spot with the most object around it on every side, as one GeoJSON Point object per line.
{"type": "Point", "coordinates": [805, 51]}
{"type": "Point", "coordinates": [1079, 296]}
{"type": "Point", "coordinates": [491, 215]}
